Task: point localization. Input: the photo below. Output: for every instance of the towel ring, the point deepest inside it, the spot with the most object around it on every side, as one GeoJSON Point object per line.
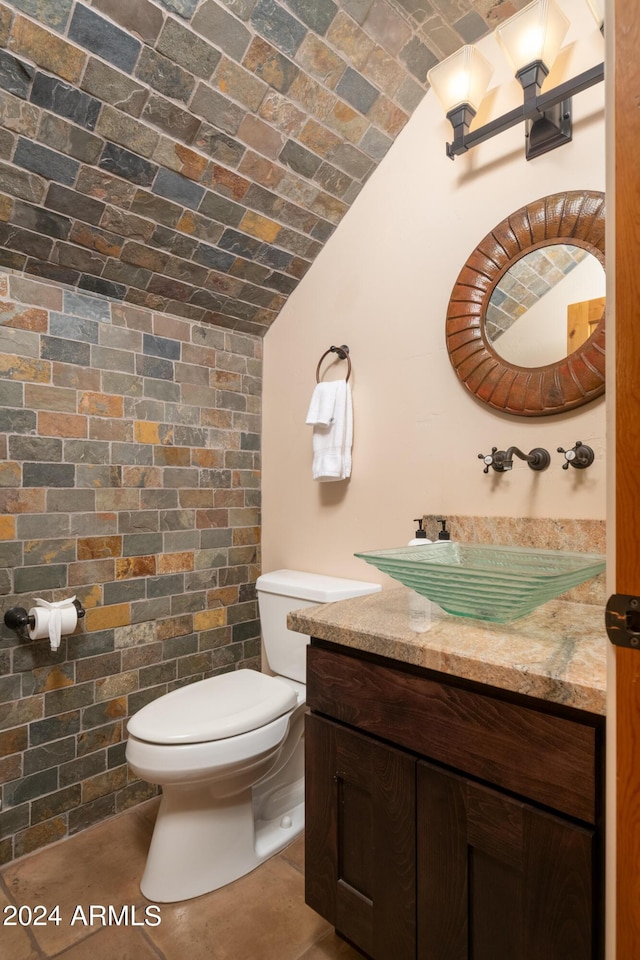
{"type": "Point", "coordinates": [343, 354]}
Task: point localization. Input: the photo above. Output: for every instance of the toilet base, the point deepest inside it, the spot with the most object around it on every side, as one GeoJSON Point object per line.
{"type": "Point", "coordinates": [194, 852]}
{"type": "Point", "coordinates": [202, 841]}
{"type": "Point", "coordinates": [274, 835]}
{"type": "Point", "coordinates": [284, 809]}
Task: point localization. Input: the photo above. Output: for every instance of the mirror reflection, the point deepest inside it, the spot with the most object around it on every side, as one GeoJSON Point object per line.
{"type": "Point", "coordinates": [546, 305]}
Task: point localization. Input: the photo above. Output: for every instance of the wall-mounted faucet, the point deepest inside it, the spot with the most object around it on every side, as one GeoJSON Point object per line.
{"type": "Point", "coordinates": [502, 460]}
{"type": "Point", "coordinates": [579, 456]}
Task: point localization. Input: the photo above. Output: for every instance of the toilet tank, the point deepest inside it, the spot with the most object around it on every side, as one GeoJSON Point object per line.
{"type": "Point", "coordinates": [282, 591]}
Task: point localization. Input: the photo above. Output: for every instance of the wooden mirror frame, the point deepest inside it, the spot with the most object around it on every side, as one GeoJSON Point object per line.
{"type": "Point", "coordinates": [576, 217]}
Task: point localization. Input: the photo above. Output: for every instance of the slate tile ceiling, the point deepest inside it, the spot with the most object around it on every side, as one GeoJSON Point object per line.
{"type": "Point", "coordinates": [193, 156]}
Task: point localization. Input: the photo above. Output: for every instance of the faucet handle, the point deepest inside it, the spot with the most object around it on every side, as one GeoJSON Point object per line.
{"type": "Point", "coordinates": [495, 459]}
{"type": "Point", "coordinates": [579, 456]}
{"type": "Point", "coordinates": [489, 459]}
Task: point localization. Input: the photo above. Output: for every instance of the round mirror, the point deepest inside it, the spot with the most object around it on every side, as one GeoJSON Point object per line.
{"type": "Point", "coordinates": [525, 324]}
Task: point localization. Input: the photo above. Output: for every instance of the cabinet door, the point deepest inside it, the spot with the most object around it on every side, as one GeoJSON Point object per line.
{"type": "Point", "coordinates": [499, 879]}
{"type": "Point", "coordinates": [360, 838]}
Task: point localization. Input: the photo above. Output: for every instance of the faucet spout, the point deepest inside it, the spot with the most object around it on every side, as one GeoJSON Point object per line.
{"type": "Point", "coordinates": [538, 458]}
{"type": "Point", "coordinates": [507, 463]}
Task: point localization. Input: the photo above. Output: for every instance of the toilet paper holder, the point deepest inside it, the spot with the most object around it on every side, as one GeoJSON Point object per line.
{"type": "Point", "coordinates": [17, 619]}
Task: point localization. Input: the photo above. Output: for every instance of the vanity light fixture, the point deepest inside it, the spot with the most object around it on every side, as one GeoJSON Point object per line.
{"type": "Point", "coordinates": [531, 41]}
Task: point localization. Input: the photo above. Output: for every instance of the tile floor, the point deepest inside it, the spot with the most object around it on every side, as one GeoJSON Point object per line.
{"type": "Point", "coordinates": [262, 916]}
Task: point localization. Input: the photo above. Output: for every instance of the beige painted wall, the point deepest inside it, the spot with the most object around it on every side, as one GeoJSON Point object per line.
{"type": "Point", "coordinates": [382, 285]}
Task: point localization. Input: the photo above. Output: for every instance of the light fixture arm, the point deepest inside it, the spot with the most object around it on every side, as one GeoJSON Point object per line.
{"type": "Point", "coordinates": [552, 110]}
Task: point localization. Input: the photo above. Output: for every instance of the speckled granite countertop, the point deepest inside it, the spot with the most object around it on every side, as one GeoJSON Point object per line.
{"type": "Point", "coordinates": [557, 653]}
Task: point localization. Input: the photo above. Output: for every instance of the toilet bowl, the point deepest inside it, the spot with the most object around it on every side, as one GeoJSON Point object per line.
{"type": "Point", "coordinates": [228, 753]}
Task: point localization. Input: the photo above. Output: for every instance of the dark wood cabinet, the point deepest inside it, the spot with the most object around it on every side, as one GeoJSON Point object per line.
{"type": "Point", "coordinates": [361, 838]}
{"type": "Point", "coordinates": [499, 879]}
{"type": "Point", "coordinates": [448, 821]}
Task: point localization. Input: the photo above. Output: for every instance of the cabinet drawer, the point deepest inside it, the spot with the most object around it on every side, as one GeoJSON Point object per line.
{"type": "Point", "coordinates": [549, 759]}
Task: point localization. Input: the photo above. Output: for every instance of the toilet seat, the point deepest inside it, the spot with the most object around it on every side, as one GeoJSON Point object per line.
{"type": "Point", "coordinates": [223, 706]}
{"type": "Point", "coordinates": [192, 762]}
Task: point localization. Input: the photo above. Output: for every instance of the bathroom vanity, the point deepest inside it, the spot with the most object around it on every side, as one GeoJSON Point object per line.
{"type": "Point", "coordinates": [455, 781]}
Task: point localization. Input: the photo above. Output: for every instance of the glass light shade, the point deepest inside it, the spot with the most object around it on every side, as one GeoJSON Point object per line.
{"type": "Point", "coordinates": [534, 33]}
{"type": "Point", "coordinates": [462, 78]}
{"type": "Point", "coordinates": [597, 9]}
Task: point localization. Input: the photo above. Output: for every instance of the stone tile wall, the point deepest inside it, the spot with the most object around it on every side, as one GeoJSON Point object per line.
{"type": "Point", "coordinates": [193, 156]}
{"type": "Point", "coordinates": [130, 477]}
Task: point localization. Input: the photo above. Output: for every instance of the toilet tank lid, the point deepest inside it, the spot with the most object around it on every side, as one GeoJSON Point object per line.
{"type": "Point", "coordinates": [313, 586]}
{"type": "Point", "coordinates": [213, 709]}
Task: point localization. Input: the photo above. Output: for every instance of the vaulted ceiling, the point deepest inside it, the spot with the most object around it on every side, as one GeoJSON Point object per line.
{"type": "Point", "coordinates": [193, 156]}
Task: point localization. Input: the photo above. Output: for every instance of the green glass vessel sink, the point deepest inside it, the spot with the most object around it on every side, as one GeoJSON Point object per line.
{"type": "Point", "coordinates": [486, 581]}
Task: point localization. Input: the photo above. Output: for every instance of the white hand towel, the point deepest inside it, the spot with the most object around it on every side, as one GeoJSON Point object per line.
{"type": "Point", "coordinates": [332, 443]}
{"type": "Point", "coordinates": [323, 403]}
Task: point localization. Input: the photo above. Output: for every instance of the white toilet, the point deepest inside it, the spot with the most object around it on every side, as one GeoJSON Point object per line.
{"type": "Point", "coordinates": [229, 753]}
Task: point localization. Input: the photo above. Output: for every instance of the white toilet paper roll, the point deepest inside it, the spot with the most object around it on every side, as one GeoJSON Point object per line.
{"type": "Point", "coordinates": [42, 616]}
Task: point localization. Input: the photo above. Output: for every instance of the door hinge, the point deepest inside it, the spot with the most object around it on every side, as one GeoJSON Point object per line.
{"type": "Point", "coordinates": [622, 619]}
